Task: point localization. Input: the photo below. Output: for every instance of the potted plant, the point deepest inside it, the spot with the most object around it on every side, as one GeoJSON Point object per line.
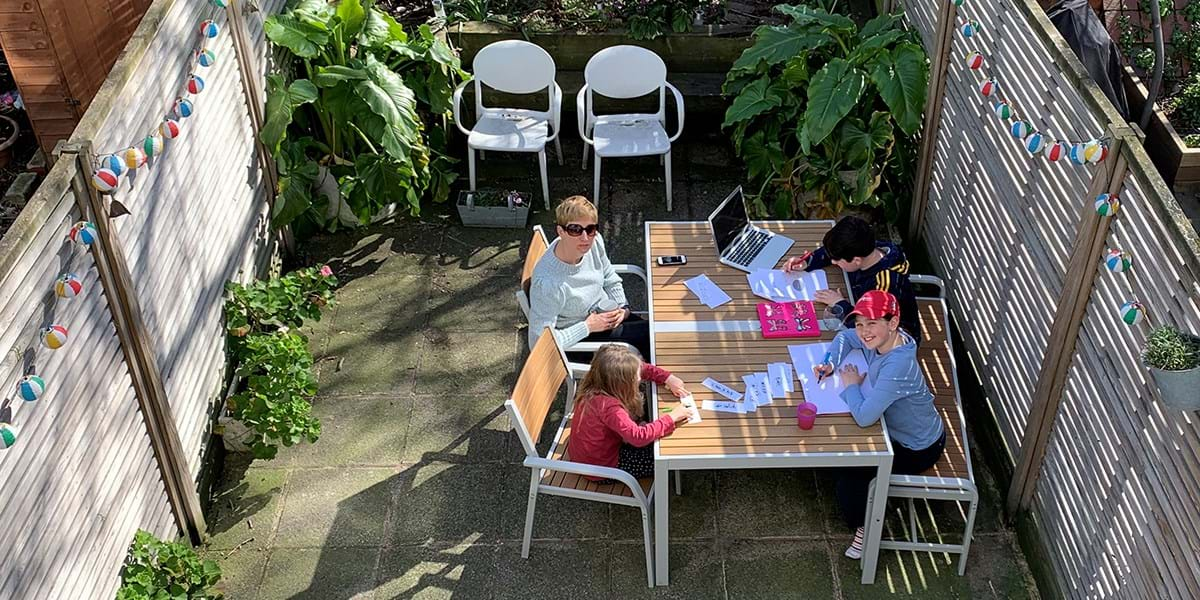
{"type": "Point", "coordinates": [493, 208]}
{"type": "Point", "coordinates": [158, 569]}
{"type": "Point", "coordinates": [1174, 360]}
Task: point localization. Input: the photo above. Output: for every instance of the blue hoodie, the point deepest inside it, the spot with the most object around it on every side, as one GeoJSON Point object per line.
{"type": "Point", "coordinates": [890, 274]}
{"type": "Point", "coordinates": [897, 390]}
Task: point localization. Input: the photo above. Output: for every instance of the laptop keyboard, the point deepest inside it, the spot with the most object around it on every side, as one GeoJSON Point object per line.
{"type": "Point", "coordinates": [748, 247]}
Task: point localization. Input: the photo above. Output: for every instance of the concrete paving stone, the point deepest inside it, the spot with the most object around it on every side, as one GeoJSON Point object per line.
{"type": "Point", "coordinates": [696, 572]}
{"type": "Point", "coordinates": [320, 574]}
{"type": "Point", "coordinates": [374, 363]}
{"type": "Point", "coordinates": [555, 517]}
{"type": "Point", "coordinates": [797, 509]}
{"type": "Point", "coordinates": [436, 573]}
{"type": "Point", "coordinates": [402, 246]}
{"type": "Point", "coordinates": [337, 507]}
{"type": "Point", "coordinates": [480, 297]}
{"type": "Point", "coordinates": [447, 502]}
{"type": "Point", "coordinates": [776, 569]}
{"type": "Point", "coordinates": [355, 431]}
{"type": "Point", "coordinates": [706, 195]}
{"type": "Point", "coordinates": [395, 303]}
{"type": "Point", "coordinates": [693, 514]}
{"type": "Point", "coordinates": [475, 430]}
{"type": "Point", "coordinates": [246, 509]}
{"type": "Point", "coordinates": [641, 170]}
{"type": "Point", "coordinates": [993, 571]}
{"type": "Point", "coordinates": [715, 156]}
{"type": "Point", "coordinates": [241, 571]}
{"type": "Point", "coordinates": [476, 364]}
{"type": "Point", "coordinates": [554, 570]}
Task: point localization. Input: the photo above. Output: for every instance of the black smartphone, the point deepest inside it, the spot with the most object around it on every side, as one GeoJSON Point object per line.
{"type": "Point", "coordinates": [677, 259]}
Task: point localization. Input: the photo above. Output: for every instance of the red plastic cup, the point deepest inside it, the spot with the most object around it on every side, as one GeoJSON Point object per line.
{"type": "Point", "coordinates": [806, 415]}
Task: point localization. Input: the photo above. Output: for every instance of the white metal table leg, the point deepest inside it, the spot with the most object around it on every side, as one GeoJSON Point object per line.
{"type": "Point", "coordinates": [874, 525]}
{"type": "Point", "coordinates": [662, 500]}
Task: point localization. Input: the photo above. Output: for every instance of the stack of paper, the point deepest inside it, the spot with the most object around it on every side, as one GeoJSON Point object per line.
{"type": "Point", "coordinates": [777, 285]}
{"type": "Point", "coordinates": [826, 394]}
{"type": "Point", "coordinates": [708, 292]}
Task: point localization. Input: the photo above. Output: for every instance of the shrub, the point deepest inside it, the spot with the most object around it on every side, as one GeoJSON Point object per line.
{"type": "Point", "coordinates": [648, 19]}
{"type": "Point", "coordinates": [158, 570]}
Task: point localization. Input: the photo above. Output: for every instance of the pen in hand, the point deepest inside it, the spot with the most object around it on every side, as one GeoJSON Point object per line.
{"type": "Point", "coordinates": [824, 361]}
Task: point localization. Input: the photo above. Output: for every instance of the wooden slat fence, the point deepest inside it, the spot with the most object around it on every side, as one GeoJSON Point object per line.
{"type": "Point", "coordinates": [1116, 497]}
{"type": "Point", "coordinates": [84, 474]}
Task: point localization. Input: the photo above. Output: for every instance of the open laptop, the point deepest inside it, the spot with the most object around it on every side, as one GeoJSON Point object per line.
{"type": "Point", "coordinates": [740, 244]}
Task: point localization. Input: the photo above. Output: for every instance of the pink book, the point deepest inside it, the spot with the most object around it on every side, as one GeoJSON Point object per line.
{"type": "Point", "coordinates": [788, 319]}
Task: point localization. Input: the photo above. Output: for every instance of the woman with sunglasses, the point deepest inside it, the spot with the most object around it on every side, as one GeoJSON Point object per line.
{"type": "Point", "coordinates": [576, 292]}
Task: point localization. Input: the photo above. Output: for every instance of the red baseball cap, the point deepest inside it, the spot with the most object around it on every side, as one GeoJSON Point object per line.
{"type": "Point", "coordinates": [875, 304]}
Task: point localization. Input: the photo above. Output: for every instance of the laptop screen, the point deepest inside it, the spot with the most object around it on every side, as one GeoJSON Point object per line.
{"type": "Point", "coordinates": [728, 220]}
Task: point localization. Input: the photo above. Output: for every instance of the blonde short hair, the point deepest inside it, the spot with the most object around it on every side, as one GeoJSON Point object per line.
{"type": "Point", "coordinates": [575, 208]}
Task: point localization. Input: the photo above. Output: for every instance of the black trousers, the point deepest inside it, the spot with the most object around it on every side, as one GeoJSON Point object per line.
{"type": "Point", "coordinates": [638, 462]}
{"type": "Point", "coordinates": [634, 331]}
{"type": "Point", "coordinates": [853, 484]}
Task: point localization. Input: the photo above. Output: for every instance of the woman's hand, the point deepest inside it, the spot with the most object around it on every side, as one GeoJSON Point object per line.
{"type": "Point", "coordinates": [827, 297]}
{"type": "Point", "coordinates": [622, 314]}
{"type": "Point", "coordinates": [796, 263]}
{"type": "Point", "coordinates": [851, 376]}
{"type": "Point", "coordinates": [603, 321]}
{"type": "Point", "coordinates": [680, 414]}
{"type": "Point", "coordinates": [675, 384]}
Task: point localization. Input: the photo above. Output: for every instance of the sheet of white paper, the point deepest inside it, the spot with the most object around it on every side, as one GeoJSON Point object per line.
{"type": "Point", "coordinates": [763, 385]}
{"type": "Point", "coordinates": [706, 291]}
{"type": "Point", "coordinates": [780, 286]}
{"type": "Point", "coordinates": [724, 406]}
{"type": "Point", "coordinates": [721, 389]}
{"type": "Point", "coordinates": [826, 394]}
{"type": "Point", "coordinates": [779, 376]}
{"type": "Point", "coordinates": [690, 403]}
{"type": "Point", "coordinates": [754, 395]}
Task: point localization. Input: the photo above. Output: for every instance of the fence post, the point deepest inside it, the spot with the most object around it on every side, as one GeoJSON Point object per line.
{"type": "Point", "coordinates": [1078, 282]}
{"type": "Point", "coordinates": [126, 313]}
{"type": "Point", "coordinates": [943, 41]}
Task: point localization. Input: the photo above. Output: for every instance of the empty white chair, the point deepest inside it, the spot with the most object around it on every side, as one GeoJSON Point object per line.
{"type": "Point", "coordinates": [513, 67]}
{"type": "Point", "coordinates": [625, 72]}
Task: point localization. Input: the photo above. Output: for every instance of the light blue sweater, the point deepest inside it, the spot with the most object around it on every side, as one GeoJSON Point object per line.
{"type": "Point", "coordinates": [898, 390]}
{"type": "Point", "coordinates": [561, 296]}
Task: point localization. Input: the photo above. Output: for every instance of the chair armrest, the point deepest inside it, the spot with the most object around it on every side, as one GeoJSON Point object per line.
{"type": "Point", "coordinates": [631, 270]}
{"type": "Point", "coordinates": [580, 109]}
{"type": "Point", "coordinates": [589, 471]}
{"type": "Point", "coordinates": [932, 280]}
{"type": "Point", "coordinates": [594, 346]}
{"type": "Point", "coordinates": [458, 92]}
{"type": "Point", "coordinates": [678, 110]}
{"type": "Point", "coordinates": [555, 111]}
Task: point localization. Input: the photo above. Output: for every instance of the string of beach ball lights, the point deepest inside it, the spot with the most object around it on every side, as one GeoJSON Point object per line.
{"type": "Point", "coordinates": [112, 166]}
{"type": "Point", "coordinates": [1035, 142]}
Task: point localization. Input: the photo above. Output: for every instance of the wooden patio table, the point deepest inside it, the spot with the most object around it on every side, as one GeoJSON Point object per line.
{"type": "Point", "coordinates": [695, 342]}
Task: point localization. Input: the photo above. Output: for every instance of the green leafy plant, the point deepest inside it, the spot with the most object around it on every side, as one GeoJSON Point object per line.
{"type": "Point", "coordinates": [1184, 107]}
{"type": "Point", "coordinates": [816, 109]}
{"type": "Point", "coordinates": [158, 570]}
{"type": "Point", "coordinates": [370, 111]}
{"type": "Point", "coordinates": [510, 199]}
{"type": "Point", "coordinates": [285, 301]}
{"type": "Point", "coordinates": [1169, 349]}
{"type": "Point", "coordinates": [648, 19]}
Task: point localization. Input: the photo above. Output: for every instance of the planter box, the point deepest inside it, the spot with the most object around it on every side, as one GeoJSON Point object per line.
{"type": "Point", "coordinates": [1178, 164]}
{"type": "Point", "coordinates": [492, 216]}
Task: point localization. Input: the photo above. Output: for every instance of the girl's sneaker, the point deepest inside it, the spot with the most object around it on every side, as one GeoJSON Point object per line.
{"type": "Point", "coordinates": [855, 549]}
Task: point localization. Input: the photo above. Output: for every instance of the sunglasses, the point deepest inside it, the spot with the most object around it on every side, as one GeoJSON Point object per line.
{"type": "Point", "coordinates": [576, 230]}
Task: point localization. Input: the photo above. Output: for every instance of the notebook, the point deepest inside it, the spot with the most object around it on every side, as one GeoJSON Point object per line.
{"type": "Point", "coordinates": [788, 319]}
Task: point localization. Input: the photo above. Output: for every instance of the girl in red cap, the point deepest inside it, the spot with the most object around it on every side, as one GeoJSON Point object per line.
{"type": "Point", "coordinates": [896, 389]}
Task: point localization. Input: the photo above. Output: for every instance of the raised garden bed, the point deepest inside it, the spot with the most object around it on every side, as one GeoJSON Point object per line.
{"type": "Point", "coordinates": [1178, 164]}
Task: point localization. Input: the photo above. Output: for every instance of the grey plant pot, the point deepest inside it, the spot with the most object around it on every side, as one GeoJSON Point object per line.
{"type": "Point", "coordinates": [492, 216]}
{"type": "Point", "coordinates": [1178, 389]}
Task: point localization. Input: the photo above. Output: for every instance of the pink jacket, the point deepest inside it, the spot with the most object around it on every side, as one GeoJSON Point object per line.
{"type": "Point", "coordinates": [599, 428]}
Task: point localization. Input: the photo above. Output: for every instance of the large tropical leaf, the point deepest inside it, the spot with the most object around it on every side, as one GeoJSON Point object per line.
{"type": "Point", "coordinates": [382, 177]}
{"type": "Point", "coordinates": [393, 102]}
{"type": "Point", "coordinates": [872, 47]}
{"type": "Point", "coordinates": [379, 28]}
{"type": "Point", "coordinates": [878, 25]}
{"type": "Point", "coordinates": [834, 91]}
{"type": "Point", "coordinates": [803, 15]}
{"type": "Point", "coordinates": [300, 37]}
{"type": "Point", "coordinates": [775, 44]}
{"type": "Point", "coordinates": [282, 101]}
{"type": "Point", "coordinates": [335, 74]}
{"type": "Point", "coordinates": [755, 99]}
{"type": "Point", "coordinates": [861, 141]}
{"type": "Point", "coordinates": [352, 15]}
{"type": "Point", "coordinates": [764, 159]}
{"type": "Point", "coordinates": [902, 78]}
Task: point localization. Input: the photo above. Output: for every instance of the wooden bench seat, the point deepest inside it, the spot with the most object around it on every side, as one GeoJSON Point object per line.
{"type": "Point", "coordinates": [572, 481]}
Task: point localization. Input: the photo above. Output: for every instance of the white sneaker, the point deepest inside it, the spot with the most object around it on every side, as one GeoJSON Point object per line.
{"type": "Point", "coordinates": [856, 546]}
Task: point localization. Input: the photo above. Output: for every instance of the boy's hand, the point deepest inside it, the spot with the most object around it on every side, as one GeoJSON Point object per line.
{"type": "Point", "coordinates": [827, 297]}
{"type": "Point", "coordinates": [796, 263]}
{"type": "Point", "coordinates": [823, 370]}
{"type": "Point", "coordinates": [851, 376]}
{"type": "Point", "coordinates": [675, 384]}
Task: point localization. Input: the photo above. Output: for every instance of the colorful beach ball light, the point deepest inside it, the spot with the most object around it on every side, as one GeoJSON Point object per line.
{"type": "Point", "coordinates": [183, 108]}
{"type": "Point", "coordinates": [105, 181]}
{"type": "Point", "coordinates": [1133, 312]}
{"type": "Point", "coordinates": [133, 157]}
{"type": "Point", "coordinates": [1056, 151]}
{"type": "Point", "coordinates": [975, 60]}
{"type": "Point", "coordinates": [1021, 129]}
{"type": "Point", "coordinates": [54, 337]}
{"type": "Point", "coordinates": [1095, 151]}
{"type": "Point", "coordinates": [152, 145]}
{"type": "Point", "coordinates": [209, 29]}
{"type": "Point", "coordinates": [1077, 154]}
{"type": "Point", "coordinates": [195, 84]}
{"type": "Point", "coordinates": [1107, 205]}
{"type": "Point", "coordinates": [989, 87]}
{"type": "Point", "coordinates": [959, 2]}
{"type": "Point", "coordinates": [31, 387]}
{"type": "Point", "coordinates": [1117, 261]}
{"type": "Point", "coordinates": [1002, 110]}
{"type": "Point", "coordinates": [113, 163]}
{"type": "Point", "coordinates": [169, 129]}
{"type": "Point", "coordinates": [206, 58]}
{"type": "Point", "coordinates": [68, 286]}
{"type": "Point", "coordinates": [219, 3]}
{"type": "Point", "coordinates": [1035, 142]}
{"type": "Point", "coordinates": [83, 232]}
{"type": "Point", "coordinates": [970, 28]}
{"type": "Point", "coordinates": [8, 435]}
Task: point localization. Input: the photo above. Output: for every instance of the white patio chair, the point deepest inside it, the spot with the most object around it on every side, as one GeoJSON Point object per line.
{"type": "Point", "coordinates": [543, 375]}
{"type": "Point", "coordinates": [625, 72]}
{"type": "Point", "coordinates": [513, 67]}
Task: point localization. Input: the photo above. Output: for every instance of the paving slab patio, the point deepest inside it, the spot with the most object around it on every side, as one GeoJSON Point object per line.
{"type": "Point", "coordinates": [415, 489]}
